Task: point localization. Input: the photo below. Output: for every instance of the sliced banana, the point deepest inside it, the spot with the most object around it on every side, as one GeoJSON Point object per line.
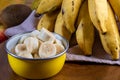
{"type": "Point", "coordinates": [20, 48]}
{"type": "Point", "coordinates": [45, 35]}
{"type": "Point", "coordinates": [40, 42]}
{"type": "Point", "coordinates": [22, 39]}
{"type": "Point", "coordinates": [47, 49]}
{"type": "Point", "coordinates": [59, 46]}
{"type": "Point", "coordinates": [35, 33]}
{"type": "Point", "coordinates": [25, 54]}
{"type": "Point", "coordinates": [32, 44]}
{"type": "Point", "coordinates": [57, 41]}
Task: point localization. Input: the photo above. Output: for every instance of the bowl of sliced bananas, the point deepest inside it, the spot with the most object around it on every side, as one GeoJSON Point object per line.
{"type": "Point", "coordinates": [37, 54]}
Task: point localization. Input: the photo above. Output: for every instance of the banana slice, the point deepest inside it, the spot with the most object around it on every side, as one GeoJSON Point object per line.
{"type": "Point", "coordinates": [59, 46]}
{"type": "Point", "coordinates": [20, 48]}
{"type": "Point", "coordinates": [47, 49]}
{"type": "Point", "coordinates": [22, 39]}
{"type": "Point", "coordinates": [32, 44]}
{"type": "Point", "coordinates": [25, 55]}
{"type": "Point", "coordinates": [35, 33]}
{"type": "Point", "coordinates": [57, 41]}
{"type": "Point", "coordinates": [45, 35]}
{"type": "Point", "coordinates": [40, 42]}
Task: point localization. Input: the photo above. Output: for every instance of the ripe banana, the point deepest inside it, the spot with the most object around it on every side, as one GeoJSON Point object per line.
{"type": "Point", "coordinates": [115, 5]}
{"type": "Point", "coordinates": [98, 11]}
{"type": "Point", "coordinates": [32, 44]}
{"type": "Point", "coordinates": [110, 40]}
{"type": "Point", "coordinates": [35, 4]}
{"type": "Point", "coordinates": [70, 10]}
{"type": "Point", "coordinates": [47, 49]}
{"type": "Point", "coordinates": [48, 21]}
{"type": "Point", "coordinates": [45, 35]}
{"type": "Point", "coordinates": [48, 6]}
{"type": "Point", "coordinates": [60, 27]}
{"type": "Point", "coordinates": [85, 30]}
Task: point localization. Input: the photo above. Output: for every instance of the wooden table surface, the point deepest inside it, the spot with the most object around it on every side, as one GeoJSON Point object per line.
{"type": "Point", "coordinates": [70, 71]}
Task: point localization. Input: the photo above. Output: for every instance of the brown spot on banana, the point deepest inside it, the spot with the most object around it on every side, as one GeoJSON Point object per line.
{"type": "Point", "coordinates": [72, 3]}
{"type": "Point", "coordinates": [72, 6]}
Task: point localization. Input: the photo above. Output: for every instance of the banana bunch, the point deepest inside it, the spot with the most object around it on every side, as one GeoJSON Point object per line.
{"type": "Point", "coordinates": [82, 17]}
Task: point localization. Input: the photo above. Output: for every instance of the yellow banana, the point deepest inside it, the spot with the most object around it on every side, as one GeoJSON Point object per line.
{"type": "Point", "coordinates": [85, 30]}
{"type": "Point", "coordinates": [110, 40]}
{"type": "Point", "coordinates": [70, 10]}
{"type": "Point", "coordinates": [99, 14]}
{"type": "Point", "coordinates": [48, 21]}
{"type": "Point", "coordinates": [35, 4]}
{"type": "Point", "coordinates": [48, 6]}
{"type": "Point", "coordinates": [60, 27]}
{"type": "Point", "coordinates": [115, 5]}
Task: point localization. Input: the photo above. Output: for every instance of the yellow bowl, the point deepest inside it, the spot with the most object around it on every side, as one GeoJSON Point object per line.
{"type": "Point", "coordinates": [35, 68]}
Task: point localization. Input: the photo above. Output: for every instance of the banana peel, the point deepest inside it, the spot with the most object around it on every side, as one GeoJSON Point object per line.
{"type": "Point", "coordinates": [99, 14]}
{"type": "Point", "coordinates": [48, 21]}
{"type": "Point", "coordinates": [70, 10]}
{"type": "Point", "coordinates": [85, 30]}
{"type": "Point", "coordinates": [35, 4]}
{"type": "Point", "coordinates": [110, 40]}
{"type": "Point", "coordinates": [115, 5]}
{"type": "Point", "coordinates": [48, 6]}
{"type": "Point", "coordinates": [60, 27]}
